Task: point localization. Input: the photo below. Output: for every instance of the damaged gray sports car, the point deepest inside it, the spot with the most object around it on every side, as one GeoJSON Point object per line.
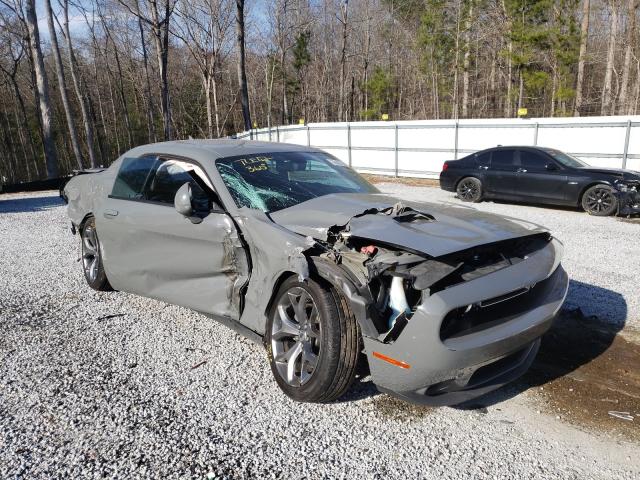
{"type": "Point", "coordinates": [290, 247]}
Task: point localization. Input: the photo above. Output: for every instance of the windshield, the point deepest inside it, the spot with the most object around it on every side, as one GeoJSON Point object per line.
{"type": "Point", "coordinates": [273, 181]}
{"type": "Point", "coordinates": [566, 159]}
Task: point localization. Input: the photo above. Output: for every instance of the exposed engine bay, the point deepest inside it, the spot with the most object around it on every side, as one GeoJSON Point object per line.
{"type": "Point", "coordinates": [396, 281]}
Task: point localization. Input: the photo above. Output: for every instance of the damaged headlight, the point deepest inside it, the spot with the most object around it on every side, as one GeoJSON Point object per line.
{"type": "Point", "coordinates": [623, 187]}
{"type": "Point", "coordinates": [620, 186]}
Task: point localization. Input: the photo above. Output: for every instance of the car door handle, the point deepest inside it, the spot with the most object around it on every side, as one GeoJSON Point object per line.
{"type": "Point", "coordinates": [522, 170]}
{"type": "Point", "coordinates": [110, 213]}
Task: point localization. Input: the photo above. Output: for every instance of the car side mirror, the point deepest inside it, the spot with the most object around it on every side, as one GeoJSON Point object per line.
{"type": "Point", "coordinates": [551, 166]}
{"type": "Point", "coordinates": [183, 203]}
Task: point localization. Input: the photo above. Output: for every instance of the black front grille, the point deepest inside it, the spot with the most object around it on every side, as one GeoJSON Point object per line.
{"type": "Point", "coordinates": [490, 312]}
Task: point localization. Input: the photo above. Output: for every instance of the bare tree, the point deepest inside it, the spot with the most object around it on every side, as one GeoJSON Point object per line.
{"type": "Point", "coordinates": [242, 73]}
{"type": "Point", "coordinates": [73, 136]}
{"type": "Point", "coordinates": [42, 83]}
{"type": "Point", "coordinates": [624, 105]}
{"type": "Point", "coordinates": [160, 32]}
{"type": "Point", "coordinates": [584, 37]}
{"type": "Point", "coordinates": [607, 105]}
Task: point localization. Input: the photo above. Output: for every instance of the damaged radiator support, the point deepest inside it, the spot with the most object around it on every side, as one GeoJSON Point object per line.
{"type": "Point", "coordinates": [392, 282]}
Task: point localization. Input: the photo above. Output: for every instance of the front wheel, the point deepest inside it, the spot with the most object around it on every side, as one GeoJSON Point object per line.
{"type": "Point", "coordinates": [92, 264]}
{"type": "Point", "coordinates": [312, 340]}
{"type": "Point", "coordinates": [600, 200]}
{"type": "Point", "coordinates": [469, 189]}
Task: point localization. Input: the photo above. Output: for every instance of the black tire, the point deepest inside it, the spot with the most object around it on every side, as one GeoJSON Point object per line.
{"type": "Point", "coordinates": [333, 336]}
{"type": "Point", "coordinates": [600, 200]}
{"type": "Point", "coordinates": [469, 189]}
{"type": "Point", "coordinates": [92, 264]}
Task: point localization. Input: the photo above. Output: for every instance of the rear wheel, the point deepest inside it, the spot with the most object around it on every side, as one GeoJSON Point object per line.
{"type": "Point", "coordinates": [469, 189]}
{"type": "Point", "coordinates": [600, 200]}
{"type": "Point", "coordinates": [92, 264]}
{"type": "Point", "coordinates": [312, 341]}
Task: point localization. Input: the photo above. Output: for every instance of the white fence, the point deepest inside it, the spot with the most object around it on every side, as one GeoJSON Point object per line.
{"type": "Point", "coordinates": [418, 148]}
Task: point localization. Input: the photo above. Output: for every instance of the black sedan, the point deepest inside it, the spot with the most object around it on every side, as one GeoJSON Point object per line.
{"type": "Point", "coordinates": [542, 175]}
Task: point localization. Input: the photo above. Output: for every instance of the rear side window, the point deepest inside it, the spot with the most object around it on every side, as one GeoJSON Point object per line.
{"type": "Point", "coordinates": [483, 159]}
{"type": "Point", "coordinates": [132, 177]}
{"type": "Point", "coordinates": [503, 158]}
{"type": "Point", "coordinates": [532, 160]}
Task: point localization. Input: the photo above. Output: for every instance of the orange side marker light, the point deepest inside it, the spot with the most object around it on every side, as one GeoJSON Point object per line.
{"type": "Point", "coordinates": [390, 360]}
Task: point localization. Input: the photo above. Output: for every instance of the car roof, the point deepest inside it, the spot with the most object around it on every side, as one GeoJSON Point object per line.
{"type": "Point", "coordinates": [207, 150]}
{"type": "Point", "coordinates": [519, 147]}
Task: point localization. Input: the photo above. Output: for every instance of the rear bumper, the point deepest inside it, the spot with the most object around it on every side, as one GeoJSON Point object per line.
{"type": "Point", "coordinates": [445, 369]}
{"type": "Point", "coordinates": [447, 182]}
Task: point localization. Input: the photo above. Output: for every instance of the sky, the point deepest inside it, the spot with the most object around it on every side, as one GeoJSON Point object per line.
{"type": "Point", "coordinates": [255, 9]}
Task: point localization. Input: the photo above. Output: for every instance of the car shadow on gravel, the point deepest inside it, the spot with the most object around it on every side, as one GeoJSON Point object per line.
{"type": "Point", "coordinates": [582, 349]}
{"type": "Point", "coordinates": [29, 204]}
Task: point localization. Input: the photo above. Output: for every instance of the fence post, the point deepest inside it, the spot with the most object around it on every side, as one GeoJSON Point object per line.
{"type": "Point", "coordinates": [535, 134]}
{"type": "Point", "coordinates": [625, 154]}
{"type": "Point", "coordinates": [308, 136]}
{"type": "Point", "coordinates": [277, 134]}
{"type": "Point", "coordinates": [455, 142]}
{"type": "Point", "coordinates": [269, 132]}
{"type": "Point", "coordinates": [349, 142]}
{"type": "Point", "coordinates": [396, 151]}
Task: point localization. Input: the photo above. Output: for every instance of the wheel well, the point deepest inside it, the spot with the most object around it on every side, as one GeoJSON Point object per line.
{"type": "Point", "coordinates": [466, 176]}
{"type": "Point", "coordinates": [84, 220]}
{"type": "Point", "coordinates": [584, 190]}
{"type": "Point", "coordinates": [276, 286]}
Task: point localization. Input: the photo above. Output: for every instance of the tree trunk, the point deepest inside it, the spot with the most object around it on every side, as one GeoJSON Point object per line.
{"type": "Point", "coordinates": [625, 106]}
{"type": "Point", "coordinates": [151, 131]}
{"type": "Point", "coordinates": [242, 73]}
{"type": "Point", "coordinates": [161, 41]}
{"type": "Point", "coordinates": [73, 135]}
{"type": "Point", "coordinates": [466, 62]}
{"type": "Point", "coordinates": [42, 84]}
{"type": "Point", "coordinates": [607, 94]}
{"type": "Point", "coordinates": [344, 8]}
{"type": "Point", "coordinates": [584, 37]}
{"type": "Point", "coordinates": [80, 90]}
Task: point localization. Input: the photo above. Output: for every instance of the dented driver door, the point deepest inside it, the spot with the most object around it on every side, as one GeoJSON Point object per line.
{"type": "Point", "coordinates": [152, 250]}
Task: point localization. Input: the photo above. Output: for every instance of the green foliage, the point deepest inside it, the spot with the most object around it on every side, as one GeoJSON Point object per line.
{"type": "Point", "coordinates": [301, 54]}
{"type": "Point", "coordinates": [380, 88]}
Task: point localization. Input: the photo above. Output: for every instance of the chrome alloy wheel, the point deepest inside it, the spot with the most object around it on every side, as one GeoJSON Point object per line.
{"type": "Point", "coordinates": [295, 336]}
{"type": "Point", "coordinates": [90, 253]}
{"type": "Point", "coordinates": [600, 200]}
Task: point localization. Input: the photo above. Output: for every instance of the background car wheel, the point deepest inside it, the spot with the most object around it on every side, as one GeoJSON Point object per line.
{"type": "Point", "coordinates": [469, 189]}
{"type": "Point", "coordinates": [92, 257]}
{"type": "Point", "coordinates": [600, 200]}
{"type": "Point", "coordinates": [312, 340]}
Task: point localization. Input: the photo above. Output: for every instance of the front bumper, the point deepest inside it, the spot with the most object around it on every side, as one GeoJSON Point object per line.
{"type": "Point", "coordinates": [629, 202]}
{"type": "Point", "coordinates": [441, 369]}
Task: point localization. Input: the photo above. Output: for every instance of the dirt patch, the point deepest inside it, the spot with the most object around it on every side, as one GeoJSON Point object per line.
{"type": "Point", "coordinates": [584, 371]}
{"type": "Point", "coordinates": [396, 409]}
{"type": "Point", "coordinates": [414, 182]}
{"type": "Point", "coordinates": [635, 219]}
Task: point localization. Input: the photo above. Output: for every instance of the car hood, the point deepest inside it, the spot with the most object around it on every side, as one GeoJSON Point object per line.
{"type": "Point", "coordinates": [618, 172]}
{"type": "Point", "coordinates": [429, 228]}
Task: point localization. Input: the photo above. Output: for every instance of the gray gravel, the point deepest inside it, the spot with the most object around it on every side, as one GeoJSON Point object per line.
{"type": "Point", "coordinates": [102, 384]}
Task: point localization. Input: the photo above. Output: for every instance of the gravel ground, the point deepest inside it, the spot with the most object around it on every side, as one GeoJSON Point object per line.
{"type": "Point", "coordinates": [601, 253]}
{"type": "Point", "coordinates": [109, 384]}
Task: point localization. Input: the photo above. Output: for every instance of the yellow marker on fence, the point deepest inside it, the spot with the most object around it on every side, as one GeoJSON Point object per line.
{"type": "Point", "coordinates": [522, 112]}
{"type": "Point", "coordinates": [301, 121]}
{"type": "Point", "coordinates": [385, 116]}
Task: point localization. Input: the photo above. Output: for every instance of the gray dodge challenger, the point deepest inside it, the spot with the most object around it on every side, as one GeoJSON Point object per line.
{"type": "Point", "coordinates": [288, 246]}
